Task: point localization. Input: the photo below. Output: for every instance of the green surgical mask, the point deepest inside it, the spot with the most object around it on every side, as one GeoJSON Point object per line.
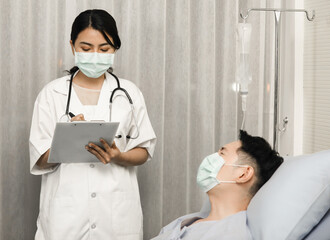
{"type": "Point", "coordinates": [93, 64]}
{"type": "Point", "coordinates": [209, 169]}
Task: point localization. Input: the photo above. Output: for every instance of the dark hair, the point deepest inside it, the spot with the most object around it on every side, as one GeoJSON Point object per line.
{"type": "Point", "coordinates": [99, 20]}
{"type": "Point", "coordinates": [257, 152]}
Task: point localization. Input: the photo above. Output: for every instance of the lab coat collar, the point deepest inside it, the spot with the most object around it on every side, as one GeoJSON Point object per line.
{"type": "Point", "coordinates": [62, 86]}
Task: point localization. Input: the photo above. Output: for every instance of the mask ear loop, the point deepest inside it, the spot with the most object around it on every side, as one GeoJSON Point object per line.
{"type": "Point", "coordinates": [234, 165]}
{"type": "Point", "coordinates": [220, 181]}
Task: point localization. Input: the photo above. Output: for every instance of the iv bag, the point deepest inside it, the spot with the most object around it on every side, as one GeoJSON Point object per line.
{"type": "Point", "coordinates": [243, 71]}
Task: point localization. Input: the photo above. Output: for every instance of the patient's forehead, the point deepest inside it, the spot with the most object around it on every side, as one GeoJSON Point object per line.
{"type": "Point", "coordinates": [229, 151]}
{"type": "Point", "coordinates": [233, 146]}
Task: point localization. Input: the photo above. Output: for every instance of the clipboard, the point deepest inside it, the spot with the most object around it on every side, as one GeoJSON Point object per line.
{"type": "Point", "coordinates": [70, 139]}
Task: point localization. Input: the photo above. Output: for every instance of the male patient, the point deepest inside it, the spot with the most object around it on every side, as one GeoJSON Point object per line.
{"type": "Point", "coordinates": [230, 178]}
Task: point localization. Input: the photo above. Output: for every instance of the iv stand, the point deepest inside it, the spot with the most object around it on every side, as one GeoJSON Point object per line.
{"type": "Point", "coordinates": [277, 14]}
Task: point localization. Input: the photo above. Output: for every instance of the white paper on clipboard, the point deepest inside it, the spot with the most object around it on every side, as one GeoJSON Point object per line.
{"type": "Point", "coordinates": [70, 139]}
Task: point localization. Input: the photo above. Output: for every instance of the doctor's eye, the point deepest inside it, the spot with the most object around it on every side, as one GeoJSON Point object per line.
{"type": "Point", "coordinates": [86, 49]}
{"type": "Point", "coordinates": [105, 50]}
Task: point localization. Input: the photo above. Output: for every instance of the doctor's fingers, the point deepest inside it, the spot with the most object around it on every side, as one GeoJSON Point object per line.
{"type": "Point", "coordinates": [100, 152]}
{"type": "Point", "coordinates": [96, 154]}
{"type": "Point", "coordinates": [113, 146]}
{"type": "Point", "coordinates": [79, 117]}
{"type": "Point", "coordinates": [112, 150]}
{"type": "Point", "coordinates": [108, 148]}
{"type": "Point", "coordinates": [105, 145]}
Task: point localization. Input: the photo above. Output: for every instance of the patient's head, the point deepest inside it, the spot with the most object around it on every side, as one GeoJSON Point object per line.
{"type": "Point", "coordinates": [240, 167]}
{"type": "Point", "coordinates": [256, 152]}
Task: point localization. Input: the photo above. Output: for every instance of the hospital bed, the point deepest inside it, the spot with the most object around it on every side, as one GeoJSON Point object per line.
{"type": "Point", "coordinates": [295, 203]}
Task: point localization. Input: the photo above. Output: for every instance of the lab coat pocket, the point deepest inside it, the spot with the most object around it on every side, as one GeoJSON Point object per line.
{"type": "Point", "coordinates": [61, 217]}
{"type": "Point", "coordinates": [126, 213]}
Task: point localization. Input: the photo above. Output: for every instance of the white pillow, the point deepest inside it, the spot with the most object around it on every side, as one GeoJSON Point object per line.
{"type": "Point", "coordinates": [321, 231]}
{"type": "Point", "coordinates": [294, 199]}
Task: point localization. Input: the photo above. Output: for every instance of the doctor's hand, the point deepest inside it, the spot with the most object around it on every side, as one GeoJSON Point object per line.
{"type": "Point", "coordinates": [79, 117]}
{"type": "Point", "coordinates": [105, 154]}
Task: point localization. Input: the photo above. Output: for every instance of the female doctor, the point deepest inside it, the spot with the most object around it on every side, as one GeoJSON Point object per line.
{"type": "Point", "coordinates": [97, 200]}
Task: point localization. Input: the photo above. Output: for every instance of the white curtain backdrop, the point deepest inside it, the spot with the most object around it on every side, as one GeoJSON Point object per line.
{"type": "Point", "coordinates": [182, 55]}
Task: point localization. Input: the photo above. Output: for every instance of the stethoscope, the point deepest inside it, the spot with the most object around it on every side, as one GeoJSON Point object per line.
{"type": "Point", "coordinates": [112, 97]}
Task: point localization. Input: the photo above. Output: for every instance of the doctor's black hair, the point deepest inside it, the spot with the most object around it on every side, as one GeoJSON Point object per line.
{"type": "Point", "coordinates": [257, 152]}
{"type": "Point", "coordinates": [97, 19]}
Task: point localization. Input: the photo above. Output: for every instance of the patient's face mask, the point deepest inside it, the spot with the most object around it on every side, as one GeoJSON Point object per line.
{"type": "Point", "coordinates": [208, 171]}
{"type": "Point", "coordinates": [94, 64]}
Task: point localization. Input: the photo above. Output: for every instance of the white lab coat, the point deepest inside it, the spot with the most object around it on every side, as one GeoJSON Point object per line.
{"type": "Point", "coordinates": [89, 201]}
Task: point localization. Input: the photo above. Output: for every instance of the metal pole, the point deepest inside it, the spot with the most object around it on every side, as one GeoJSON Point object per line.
{"type": "Point", "coordinates": [277, 15]}
{"type": "Point", "coordinates": [277, 12]}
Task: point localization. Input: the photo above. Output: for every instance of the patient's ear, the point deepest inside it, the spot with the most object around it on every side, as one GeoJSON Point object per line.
{"type": "Point", "coordinates": [246, 174]}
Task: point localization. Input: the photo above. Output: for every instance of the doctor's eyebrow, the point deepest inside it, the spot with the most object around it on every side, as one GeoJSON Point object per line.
{"type": "Point", "coordinates": [89, 44]}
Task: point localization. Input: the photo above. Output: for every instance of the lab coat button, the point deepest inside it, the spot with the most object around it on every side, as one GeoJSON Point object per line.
{"type": "Point", "coordinates": [93, 226]}
{"type": "Point", "coordinates": [92, 165]}
{"type": "Point", "coordinates": [93, 195]}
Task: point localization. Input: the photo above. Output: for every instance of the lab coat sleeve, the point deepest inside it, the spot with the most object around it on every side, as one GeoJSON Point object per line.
{"type": "Point", "coordinates": [41, 133]}
{"type": "Point", "coordinates": [147, 137]}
